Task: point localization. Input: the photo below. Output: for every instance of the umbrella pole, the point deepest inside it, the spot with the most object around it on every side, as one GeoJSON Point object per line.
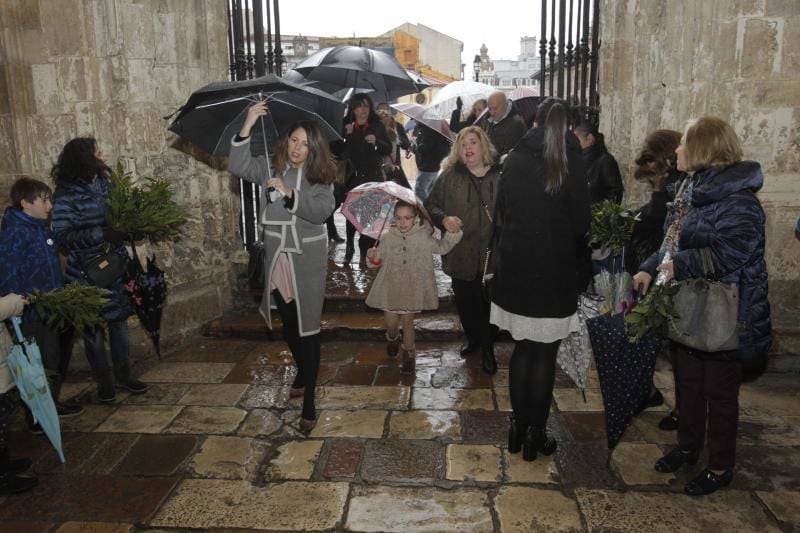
{"type": "Point", "coordinates": [378, 240]}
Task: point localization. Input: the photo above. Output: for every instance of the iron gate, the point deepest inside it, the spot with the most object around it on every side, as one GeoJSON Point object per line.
{"type": "Point", "coordinates": [253, 51]}
{"type": "Point", "coordinates": [568, 69]}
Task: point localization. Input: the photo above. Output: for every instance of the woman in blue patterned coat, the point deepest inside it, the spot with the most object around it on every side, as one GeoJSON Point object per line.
{"type": "Point", "coordinates": [726, 223]}
{"type": "Point", "coordinates": [81, 227]}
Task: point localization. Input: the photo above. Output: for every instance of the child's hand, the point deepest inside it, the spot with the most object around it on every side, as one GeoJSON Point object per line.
{"type": "Point", "coordinates": [372, 252]}
{"type": "Point", "coordinates": [16, 302]}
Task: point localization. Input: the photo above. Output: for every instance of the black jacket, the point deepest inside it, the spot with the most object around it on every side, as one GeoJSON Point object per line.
{"type": "Point", "coordinates": [507, 133]}
{"type": "Point", "coordinates": [605, 181]}
{"type": "Point", "coordinates": [538, 237]}
{"type": "Point", "coordinates": [431, 149]}
{"type": "Point", "coordinates": [364, 160]}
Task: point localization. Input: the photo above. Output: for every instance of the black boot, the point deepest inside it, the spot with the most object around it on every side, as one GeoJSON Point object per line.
{"type": "Point", "coordinates": [11, 480]}
{"type": "Point", "coordinates": [13, 466]}
{"type": "Point", "coordinates": [536, 440]}
{"type": "Point", "coordinates": [124, 380]}
{"type": "Point", "coordinates": [516, 435]}
{"type": "Point", "coordinates": [333, 235]}
{"type": "Point", "coordinates": [349, 251]}
{"type": "Point", "coordinates": [488, 362]}
{"type": "Point", "coordinates": [105, 386]}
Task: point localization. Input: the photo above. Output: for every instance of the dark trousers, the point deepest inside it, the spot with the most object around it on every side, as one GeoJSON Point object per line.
{"type": "Point", "coordinates": [473, 311]}
{"type": "Point", "coordinates": [94, 342]}
{"type": "Point", "coordinates": [364, 242]}
{"type": "Point", "coordinates": [709, 392]}
{"type": "Point", "coordinates": [55, 348]}
{"type": "Point", "coordinates": [306, 353]}
{"type": "Point", "coordinates": [532, 374]}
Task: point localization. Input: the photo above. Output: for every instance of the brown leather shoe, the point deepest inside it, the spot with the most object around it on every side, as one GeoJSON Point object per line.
{"type": "Point", "coordinates": [409, 361]}
{"type": "Point", "coordinates": [393, 345]}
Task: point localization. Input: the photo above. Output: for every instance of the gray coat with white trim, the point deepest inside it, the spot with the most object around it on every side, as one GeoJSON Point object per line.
{"type": "Point", "coordinates": [299, 231]}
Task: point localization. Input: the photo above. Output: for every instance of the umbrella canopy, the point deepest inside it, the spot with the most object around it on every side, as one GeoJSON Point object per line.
{"type": "Point", "coordinates": [575, 351]}
{"type": "Point", "coordinates": [214, 114]}
{"type": "Point", "coordinates": [344, 93]}
{"type": "Point", "coordinates": [25, 363]}
{"type": "Point", "coordinates": [625, 370]}
{"type": "Point", "coordinates": [444, 102]}
{"type": "Point", "coordinates": [147, 290]}
{"type": "Point", "coordinates": [370, 206]}
{"type": "Point", "coordinates": [359, 68]}
{"type": "Point", "coordinates": [416, 112]}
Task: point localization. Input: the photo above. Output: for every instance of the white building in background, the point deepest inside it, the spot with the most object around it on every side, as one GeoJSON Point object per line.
{"type": "Point", "coordinates": [437, 50]}
{"type": "Point", "coordinates": [508, 74]}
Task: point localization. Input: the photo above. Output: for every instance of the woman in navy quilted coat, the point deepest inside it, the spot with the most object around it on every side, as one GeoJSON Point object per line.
{"type": "Point", "coordinates": [81, 227]}
{"type": "Point", "coordinates": [725, 221]}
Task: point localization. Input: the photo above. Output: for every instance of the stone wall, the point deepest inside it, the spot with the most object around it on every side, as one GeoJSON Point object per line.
{"type": "Point", "coordinates": [113, 69]}
{"type": "Point", "coordinates": [663, 62]}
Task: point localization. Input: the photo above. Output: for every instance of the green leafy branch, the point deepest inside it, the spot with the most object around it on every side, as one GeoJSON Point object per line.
{"type": "Point", "coordinates": [652, 313]}
{"type": "Point", "coordinates": [74, 304]}
{"type": "Point", "coordinates": [148, 212]}
{"type": "Point", "coordinates": [611, 227]}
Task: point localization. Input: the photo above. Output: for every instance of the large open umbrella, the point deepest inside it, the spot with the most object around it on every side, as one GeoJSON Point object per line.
{"type": "Point", "coordinates": [416, 112]}
{"type": "Point", "coordinates": [444, 102]}
{"type": "Point", "coordinates": [358, 68]}
{"type": "Point", "coordinates": [148, 293]}
{"type": "Point", "coordinates": [25, 363]}
{"type": "Point", "coordinates": [215, 113]}
{"type": "Point", "coordinates": [370, 206]}
{"type": "Point", "coordinates": [526, 101]}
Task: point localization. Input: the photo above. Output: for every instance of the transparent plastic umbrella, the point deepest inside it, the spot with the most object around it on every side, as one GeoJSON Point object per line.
{"type": "Point", "coordinates": [25, 363]}
{"type": "Point", "coordinates": [444, 102]}
{"type": "Point", "coordinates": [370, 206]}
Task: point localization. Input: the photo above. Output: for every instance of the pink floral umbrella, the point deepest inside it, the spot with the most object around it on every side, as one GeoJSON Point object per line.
{"type": "Point", "coordinates": [370, 206]}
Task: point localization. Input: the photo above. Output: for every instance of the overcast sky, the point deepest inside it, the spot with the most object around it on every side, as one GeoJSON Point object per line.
{"type": "Point", "coordinates": [499, 23]}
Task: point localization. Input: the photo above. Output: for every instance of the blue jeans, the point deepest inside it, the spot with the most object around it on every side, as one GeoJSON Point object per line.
{"type": "Point", "coordinates": [94, 341]}
{"type": "Point", "coordinates": [424, 185]}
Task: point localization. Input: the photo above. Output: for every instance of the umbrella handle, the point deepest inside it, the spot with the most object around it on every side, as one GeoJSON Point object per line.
{"type": "Point", "coordinates": [17, 322]}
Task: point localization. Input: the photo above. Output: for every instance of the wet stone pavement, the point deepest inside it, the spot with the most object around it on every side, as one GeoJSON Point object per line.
{"type": "Point", "coordinates": [215, 445]}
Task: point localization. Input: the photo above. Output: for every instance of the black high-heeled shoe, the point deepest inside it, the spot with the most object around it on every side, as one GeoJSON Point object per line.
{"type": "Point", "coordinates": [349, 251]}
{"type": "Point", "coordinates": [488, 362]}
{"type": "Point", "coordinates": [676, 459]}
{"type": "Point", "coordinates": [537, 441]}
{"type": "Point", "coordinates": [707, 482]}
{"type": "Point", "coordinates": [516, 435]}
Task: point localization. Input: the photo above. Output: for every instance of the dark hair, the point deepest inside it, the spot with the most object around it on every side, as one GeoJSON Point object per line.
{"type": "Point", "coordinates": [657, 155]}
{"type": "Point", "coordinates": [401, 203]}
{"type": "Point", "coordinates": [28, 189]}
{"type": "Point", "coordinates": [553, 116]}
{"type": "Point", "coordinates": [77, 162]}
{"type": "Point", "coordinates": [355, 101]}
{"type": "Point", "coordinates": [319, 166]}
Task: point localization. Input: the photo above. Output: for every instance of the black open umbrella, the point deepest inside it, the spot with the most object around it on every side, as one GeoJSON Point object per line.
{"type": "Point", "coordinates": [356, 67]}
{"type": "Point", "coordinates": [214, 114]}
{"type": "Point", "coordinates": [625, 370]}
{"type": "Point", "coordinates": [147, 290]}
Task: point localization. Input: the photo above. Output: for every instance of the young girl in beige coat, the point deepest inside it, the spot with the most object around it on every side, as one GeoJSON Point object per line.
{"type": "Point", "coordinates": [405, 284]}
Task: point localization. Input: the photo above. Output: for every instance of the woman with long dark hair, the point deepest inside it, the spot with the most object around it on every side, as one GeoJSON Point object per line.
{"type": "Point", "coordinates": [366, 143]}
{"type": "Point", "coordinates": [81, 227]}
{"type": "Point", "coordinates": [293, 215]}
{"type": "Point", "coordinates": [541, 218]}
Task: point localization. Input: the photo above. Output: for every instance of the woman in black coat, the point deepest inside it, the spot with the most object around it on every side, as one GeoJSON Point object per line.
{"type": "Point", "coordinates": [541, 218]}
{"type": "Point", "coordinates": [605, 180]}
{"type": "Point", "coordinates": [725, 226]}
{"type": "Point", "coordinates": [366, 143]}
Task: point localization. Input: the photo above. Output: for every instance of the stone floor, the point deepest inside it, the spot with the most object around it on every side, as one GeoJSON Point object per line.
{"type": "Point", "coordinates": [215, 445]}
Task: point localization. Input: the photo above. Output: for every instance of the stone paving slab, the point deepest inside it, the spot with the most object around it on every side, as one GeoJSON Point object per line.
{"type": "Point", "coordinates": [542, 470]}
{"type": "Point", "coordinates": [159, 394]}
{"type": "Point", "coordinates": [88, 454]}
{"type": "Point", "coordinates": [418, 509]}
{"type": "Point", "coordinates": [213, 395]}
{"type": "Point", "coordinates": [168, 372]}
{"type": "Point", "coordinates": [295, 460]}
{"type": "Point", "coordinates": [733, 511]}
{"type": "Point", "coordinates": [474, 462]}
{"type": "Point", "coordinates": [366, 424]}
{"type": "Point", "coordinates": [207, 420]}
{"type": "Point", "coordinates": [140, 419]}
{"type": "Point", "coordinates": [783, 504]}
{"type": "Point", "coordinates": [157, 455]}
{"type": "Point", "coordinates": [635, 462]}
{"type": "Point", "coordinates": [227, 458]}
{"type": "Point", "coordinates": [94, 527]}
{"type": "Point", "coordinates": [352, 397]}
{"type": "Point", "coordinates": [425, 425]}
{"type": "Point", "coordinates": [402, 461]}
{"type": "Point", "coordinates": [452, 399]}
{"type": "Point", "coordinates": [260, 423]}
{"type": "Point", "coordinates": [289, 506]}
{"type": "Point", "coordinates": [527, 509]}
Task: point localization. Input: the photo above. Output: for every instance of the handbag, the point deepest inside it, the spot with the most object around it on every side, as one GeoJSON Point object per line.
{"type": "Point", "coordinates": [103, 270]}
{"type": "Point", "coordinates": [708, 312]}
{"type": "Point", "coordinates": [256, 274]}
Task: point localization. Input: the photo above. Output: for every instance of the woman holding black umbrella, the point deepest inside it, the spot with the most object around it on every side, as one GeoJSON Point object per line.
{"type": "Point", "coordinates": [366, 143]}
{"type": "Point", "coordinates": [299, 200]}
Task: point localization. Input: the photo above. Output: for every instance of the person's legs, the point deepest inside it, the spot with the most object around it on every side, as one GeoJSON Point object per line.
{"type": "Point", "coordinates": [95, 348]}
{"type": "Point", "coordinates": [120, 355]}
{"type": "Point", "coordinates": [692, 421]}
{"type": "Point", "coordinates": [10, 481]}
{"type": "Point", "coordinates": [486, 330]}
{"type": "Point", "coordinates": [721, 387]}
{"type": "Point", "coordinates": [531, 380]}
{"type": "Point", "coordinates": [467, 315]}
{"type": "Point", "coordinates": [50, 349]}
{"type": "Point", "coordinates": [409, 351]}
{"type": "Point", "coordinates": [519, 380]}
{"type": "Point", "coordinates": [542, 380]}
{"type": "Point", "coordinates": [364, 244]}
{"type": "Point", "coordinates": [350, 247]}
{"type": "Point", "coordinates": [309, 346]}
{"type": "Point", "coordinates": [291, 334]}
{"type": "Point", "coordinates": [392, 333]}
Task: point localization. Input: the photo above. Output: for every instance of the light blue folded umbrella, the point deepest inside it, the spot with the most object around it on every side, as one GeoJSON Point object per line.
{"type": "Point", "coordinates": [25, 363]}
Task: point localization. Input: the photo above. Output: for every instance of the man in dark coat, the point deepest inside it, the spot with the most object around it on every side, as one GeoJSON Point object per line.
{"type": "Point", "coordinates": [432, 148]}
{"type": "Point", "coordinates": [504, 126]}
{"type": "Point", "coordinates": [605, 180]}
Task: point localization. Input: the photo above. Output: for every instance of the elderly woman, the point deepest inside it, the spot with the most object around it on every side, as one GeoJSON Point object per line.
{"type": "Point", "coordinates": [724, 222]}
{"type": "Point", "coordinates": [463, 198]}
{"type": "Point", "coordinates": [295, 239]}
{"type": "Point", "coordinates": [541, 218]}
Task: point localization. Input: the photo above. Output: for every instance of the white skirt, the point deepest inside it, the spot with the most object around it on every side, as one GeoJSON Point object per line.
{"type": "Point", "coordinates": [545, 330]}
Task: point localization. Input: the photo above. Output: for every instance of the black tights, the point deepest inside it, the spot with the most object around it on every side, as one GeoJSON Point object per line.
{"type": "Point", "coordinates": [532, 376]}
{"type": "Point", "coordinates": [306, 353]}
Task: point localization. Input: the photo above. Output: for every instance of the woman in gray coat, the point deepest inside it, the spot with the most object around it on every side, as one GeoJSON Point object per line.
{"type": "Point", "coordinates": [297, 199]}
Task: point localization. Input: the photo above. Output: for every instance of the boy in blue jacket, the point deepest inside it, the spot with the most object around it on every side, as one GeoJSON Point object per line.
{"type": "Point", "coordinates": [29, 255]}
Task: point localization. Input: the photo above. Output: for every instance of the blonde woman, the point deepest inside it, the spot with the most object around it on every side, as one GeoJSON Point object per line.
{"type": "Point", "coordinates": [463, 197]}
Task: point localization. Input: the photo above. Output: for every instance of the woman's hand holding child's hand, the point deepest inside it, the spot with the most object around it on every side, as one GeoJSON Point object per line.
{"type": "Point", "coordinates": [452, 224]}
